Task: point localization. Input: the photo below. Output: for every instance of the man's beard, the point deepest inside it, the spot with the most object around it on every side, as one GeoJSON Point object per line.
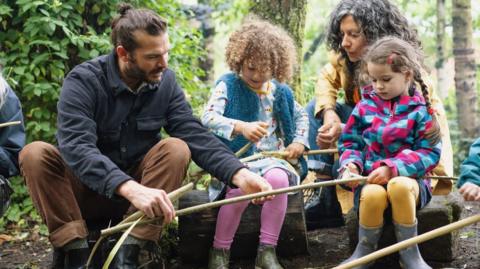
{"type": "Point", "coordinates": [134, 72]}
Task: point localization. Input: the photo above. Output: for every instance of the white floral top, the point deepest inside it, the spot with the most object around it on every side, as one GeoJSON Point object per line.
{"type": "Point", "coordinates": [222, 126]}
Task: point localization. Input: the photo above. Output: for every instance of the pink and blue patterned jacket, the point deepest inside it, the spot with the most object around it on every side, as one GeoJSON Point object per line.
{"type": "Point", "coordinates": [390, 133]}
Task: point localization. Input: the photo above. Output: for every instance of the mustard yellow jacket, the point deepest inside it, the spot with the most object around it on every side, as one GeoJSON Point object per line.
{"type": "Point", "coordinates": [334, 78]}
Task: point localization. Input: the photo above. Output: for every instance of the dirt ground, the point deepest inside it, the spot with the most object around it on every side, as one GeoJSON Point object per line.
{"type": "Point", "coordinates": [328, 248]}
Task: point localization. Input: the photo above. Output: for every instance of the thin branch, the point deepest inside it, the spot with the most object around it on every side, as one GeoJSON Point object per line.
{"type": "Point", "coordinates": [5, 124]}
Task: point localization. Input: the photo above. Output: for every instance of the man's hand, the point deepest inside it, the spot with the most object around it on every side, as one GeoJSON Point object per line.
{"type": "Point", "coordinates": [330, 131]}
{"type": "Point", "coordinates": [380, 176]}
{"type": "Point", "coordinates": [253, 131]}
{"type": "Point", "coordinates": [250, 182]}
{"type": "Point", "coordinates": [295, 150]}
{"type": "Point", "coordinates": [152, 202]}
{"type": "Point", "coordinates": [351, 169]}
{"type": "Point", "coordinates": [470, 192]}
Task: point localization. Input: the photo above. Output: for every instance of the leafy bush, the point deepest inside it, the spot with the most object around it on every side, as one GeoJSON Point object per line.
{"type": "Point", "coordinates": [42, 40]}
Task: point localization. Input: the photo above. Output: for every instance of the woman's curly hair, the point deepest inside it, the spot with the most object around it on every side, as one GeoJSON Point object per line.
{"type": "Point", "coordinates": [376, 19]}
{"type": "Point", "coordinates": [264, 46]}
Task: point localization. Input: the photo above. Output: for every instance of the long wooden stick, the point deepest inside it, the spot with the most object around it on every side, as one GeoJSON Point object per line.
{"type": "Point", "coordinates": [412, 241]}
{"type": "Point", "coordinates": [237, 199]}
{"type": "Point", "coordinates": [129, 220]}
{"type": "Point", "coordinates": [5, 124]}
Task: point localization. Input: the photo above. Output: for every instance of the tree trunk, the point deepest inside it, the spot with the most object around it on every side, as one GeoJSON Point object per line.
{"type": "Point", "coordinates": [204, 15]}
{"type": "Point", "coordinates": [289, 14]}
{"type": "Point", "coordinates": [442, 82]}
{"type": "Point", "coordinates": [465, 76]}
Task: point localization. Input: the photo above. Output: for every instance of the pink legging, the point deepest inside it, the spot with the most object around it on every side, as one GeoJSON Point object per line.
{"type": "Point", "coordinates": [273, 213]}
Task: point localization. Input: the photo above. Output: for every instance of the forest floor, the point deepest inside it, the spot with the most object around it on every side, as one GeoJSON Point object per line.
{"type": "Point", "coordinates": [328, 247]}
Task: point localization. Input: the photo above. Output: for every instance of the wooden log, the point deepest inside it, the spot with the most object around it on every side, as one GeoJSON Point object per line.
{"type": "Point", "coordinates": [196, 230]}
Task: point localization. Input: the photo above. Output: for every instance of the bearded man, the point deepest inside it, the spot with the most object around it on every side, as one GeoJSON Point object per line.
{"type": "Point", "coordinates": [111, 159]}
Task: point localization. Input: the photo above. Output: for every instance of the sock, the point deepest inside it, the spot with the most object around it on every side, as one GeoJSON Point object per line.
{"type": "Point", "coordinates": [265, 245]}
{"type": "Point", "coordinates": [131, 240]}
{"type": "Point", "coordinates": [76, 244]}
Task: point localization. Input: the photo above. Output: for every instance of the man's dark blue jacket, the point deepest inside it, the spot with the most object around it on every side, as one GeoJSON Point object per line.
{"type": "Point", "coordinates": [104, 129]}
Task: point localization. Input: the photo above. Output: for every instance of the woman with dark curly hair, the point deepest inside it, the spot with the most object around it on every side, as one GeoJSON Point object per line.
{"type": "Point", "coordinates": [353, 26]}
{"type": "Point", "coordinates": [253, 105]}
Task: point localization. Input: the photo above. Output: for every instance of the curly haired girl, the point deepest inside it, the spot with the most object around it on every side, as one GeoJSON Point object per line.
{"type": "Point", "coordinates": [252, 105]}
{"type": "Point", "coordinates": [393, 138]}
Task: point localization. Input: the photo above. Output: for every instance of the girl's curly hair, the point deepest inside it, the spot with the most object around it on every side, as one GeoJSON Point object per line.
{"type": "Point", "coordinates": [266, 47]}
{"type": "Point", "coordinates": [376, 19]}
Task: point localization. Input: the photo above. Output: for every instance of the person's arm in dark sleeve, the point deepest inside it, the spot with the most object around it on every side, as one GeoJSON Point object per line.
{"type": "Point", "coordinates": [12, 138]}
{"type": "Point", "coordinates": [77, 135]}
{"type": "Point", "coordinates": [207, 151]}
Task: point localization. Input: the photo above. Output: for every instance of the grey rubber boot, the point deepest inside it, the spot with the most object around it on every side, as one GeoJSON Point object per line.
{"type": "Point", "coordinates": [218, 258]}
{"type": "Point", "coordinates": [367, 243]}
{"type": "Point", "coordinates": [267, 258]}
{"type": "Point", "coordinates": [410, 258]}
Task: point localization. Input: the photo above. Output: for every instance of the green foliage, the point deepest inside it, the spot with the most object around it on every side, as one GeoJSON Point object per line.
{"type": "Point", "coordinates": [231, 10]}
{"type": "Point", "coordinates": [42, 40]}
{"type": "Point", "coordinates": [460, 144]}
{"type": "Point", "coordinates": [315, 25]}
{"type": "Point", "coordinates": [21, 211]}
{"type": "Point", "coordinates": [186, 50]}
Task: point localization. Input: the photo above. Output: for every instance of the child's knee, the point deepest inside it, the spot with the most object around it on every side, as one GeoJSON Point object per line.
{"type": "Point", "coordinates": [400, 188]}
{"type": "Point", "coordinates": [277, 177]}
{"type": "Point", "coordinates": [374, 195]}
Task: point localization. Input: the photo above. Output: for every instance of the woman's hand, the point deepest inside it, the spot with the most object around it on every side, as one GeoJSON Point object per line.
{"type": "Point", "coordinates": [380, 176]}
{"type": "Point", "coordinates": [330, 131]}
{"type": "Point", "coordinates": [295, 150]}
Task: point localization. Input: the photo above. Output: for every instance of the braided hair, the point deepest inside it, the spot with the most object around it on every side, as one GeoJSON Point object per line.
{"type": "Point", "coordinates": [401, 56]}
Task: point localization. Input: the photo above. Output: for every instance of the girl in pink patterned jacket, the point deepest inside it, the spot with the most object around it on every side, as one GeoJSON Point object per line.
{"type": "Point", "coordinates": [393, 138]}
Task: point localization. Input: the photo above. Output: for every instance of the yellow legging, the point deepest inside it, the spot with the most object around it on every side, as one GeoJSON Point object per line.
{"type": "Point", "coordinates": [401, 192]}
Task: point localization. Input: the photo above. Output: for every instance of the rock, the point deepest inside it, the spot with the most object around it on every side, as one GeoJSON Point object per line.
{"type": "Point", "coordinates": [442, 210]}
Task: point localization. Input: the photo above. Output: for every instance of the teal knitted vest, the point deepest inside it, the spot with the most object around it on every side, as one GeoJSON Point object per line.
{"type": "Point", "coordinates": [243, 105]}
